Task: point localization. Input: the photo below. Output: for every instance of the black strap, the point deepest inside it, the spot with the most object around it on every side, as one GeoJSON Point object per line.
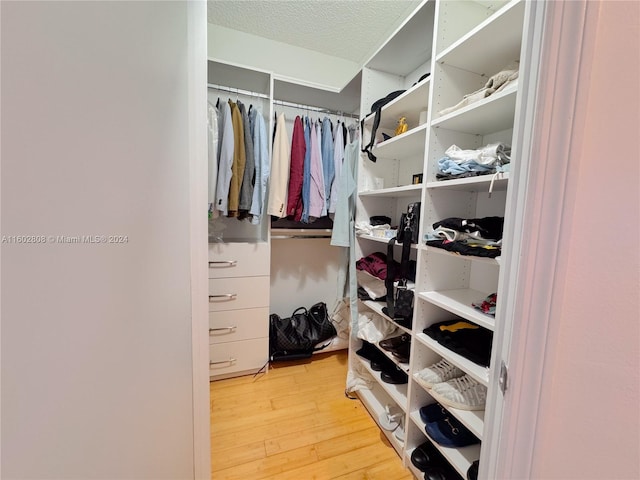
{"type": "Point", "coordinates": [374, 129]}
{"type": "Point", "coordinates": [404, 265]}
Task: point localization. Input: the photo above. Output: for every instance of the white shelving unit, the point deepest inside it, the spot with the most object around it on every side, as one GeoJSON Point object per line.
{"type": "Point", "coordinates": [471, 41]}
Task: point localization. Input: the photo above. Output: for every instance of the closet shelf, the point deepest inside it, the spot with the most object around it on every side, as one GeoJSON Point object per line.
{"type": "Point", "coordinates": [371, 401]}
{"type": "Point", "coordinates": [459, 302]}
{"type": "Point", "coordinates": [408, 105]}
{"type": "Point", "coordinates": [442, 251]}
{"type": "Point", "coordinates": [460, 458]}
{"type": "Point", "coordinates": [490, 46]}
{"type": "Point", "coordinates": [489, 115]}
{"type": "Point", "coordinates": [472, 419]}
{"type": "Point", "coordinates": [397, 392]}
{"type": "Point", "coordinates": [377, 308]}
{"type": "Point", "coordinates": [478, 372]}
{"type": "Point", "coordinates": [406, 145]}
{"type": "Point", "coordinates": [404, 191]}
{"type": "Point", "coordinates": [285, 233]}
{"type": "Point", "coordinates": [383, 240]}
{"type": "Point", "coordinates": [473, 184]}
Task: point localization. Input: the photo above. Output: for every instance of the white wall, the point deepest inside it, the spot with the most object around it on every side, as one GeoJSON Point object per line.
{"type": "Point", "coordinates": [287, 61]}
{"type": "Point", "coordinates": [589, 416]}
{"type": "Point", "coordinates": [96, 338]}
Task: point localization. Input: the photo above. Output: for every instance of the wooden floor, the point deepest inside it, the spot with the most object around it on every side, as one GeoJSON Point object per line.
{"type": "Point", "coordinates": [295, 423]}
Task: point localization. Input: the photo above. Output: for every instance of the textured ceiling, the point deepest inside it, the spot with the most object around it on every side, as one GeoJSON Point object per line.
{"type": "Point", "coordinates": [348, 29]}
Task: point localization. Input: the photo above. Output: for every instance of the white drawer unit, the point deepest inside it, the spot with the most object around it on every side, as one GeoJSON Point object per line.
{"type": "Point", "coordinates": [238, 259]}
{"type": "Point", "coordinates": [235, 325]}
{"type": "Point", "coordinates": [237, 358]}
{"type": "Point", "coordinates": [237, 293]}
{"type": "Point", "coordinates": [238, 308]}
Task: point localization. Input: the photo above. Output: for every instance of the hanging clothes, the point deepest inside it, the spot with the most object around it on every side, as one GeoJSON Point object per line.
{"type": "Point", "coordinates": [262, 164]}
{"type": "Point", "coordinates": [317, 207]}
{"type": "Point", "coordinates": [239, 159]}
{"type": "Point", "coordinates": [306, 179]}
{"type": "Point", "coordinates": [296, 171]}
{"type": "Point", "coordinates": [328, 167]}
{"type": "Point", "coordinates": [338, 156]}
{"type": "Point", "coordinates": [225, 157]}
{"type": "Point", "coordinates": [212, 157]}
{"type": "Point", "coordinates": [246, 189]}
{"type": "Point", "coordinates": [279, 170]}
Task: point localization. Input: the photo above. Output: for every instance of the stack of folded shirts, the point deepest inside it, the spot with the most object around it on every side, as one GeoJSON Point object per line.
{"type": "Point", "coordinates": [480, 237]}
{"type": "Point", "coordinates": [464, 338]}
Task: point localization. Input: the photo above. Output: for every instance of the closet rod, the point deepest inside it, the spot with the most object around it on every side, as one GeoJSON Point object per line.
{"type": "Point", "coordinates": [314, 109]}
{"type": "Point", "coordinates": [240, 91]}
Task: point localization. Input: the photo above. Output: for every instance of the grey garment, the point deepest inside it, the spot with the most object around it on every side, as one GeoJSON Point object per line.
{"type": "Point", "coordinates": [246, 191]}
{"type": "Point", "coordinates": [263, 166]}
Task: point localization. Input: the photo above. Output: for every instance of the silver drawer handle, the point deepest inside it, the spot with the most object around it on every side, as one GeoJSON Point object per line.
{"type": "Point", "coordinates": [231, 361]}
{"type": "Point", "coordinates": [230, 296]}
{"type": "Point", "coordinates": [228, 263]}
{"type": "Point", "coordinates": [230, 329]}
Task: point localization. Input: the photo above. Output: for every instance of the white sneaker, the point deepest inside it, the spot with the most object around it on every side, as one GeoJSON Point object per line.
{"type": "Point", "coordinates": [437, 373]}
{"type": "Point", "coordinates": [462, 392]}
{"type": "Point", "coordinates": [399, 432]}
{"type": "Point", "coordinates": [390, 418]}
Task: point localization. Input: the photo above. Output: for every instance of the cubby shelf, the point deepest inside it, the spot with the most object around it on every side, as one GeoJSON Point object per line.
{"type": "Point", "coordinates": [397, 392]}
{"type": "Point", "coordinates": [404, 191]}
{"type": "Point", "coordinates": [442, 251]}
{"type": "Point", "coordinates": [408, 105]}
{"type": "Point", "coordinates": [482, 183]}
{"type": "Point", "coordinates": [478, 372]}
{"type": "Point", "coordinates": [371, 399]}
{"type": "Point", "coordinates": [406, 145]}
{"type": "Point", "coordinates": [460, 458]}
{"type": "Point", "coordinates": [459, 302]}
{"type": "Point", "coordinates": [472, 419]}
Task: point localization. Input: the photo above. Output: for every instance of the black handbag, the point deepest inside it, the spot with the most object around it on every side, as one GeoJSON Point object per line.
{"type": "Point", "coordinates": [400, 299]}
{"type": "Point", "coordinates": [298, 335]}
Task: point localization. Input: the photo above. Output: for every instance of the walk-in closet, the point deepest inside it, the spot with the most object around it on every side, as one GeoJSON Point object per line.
{"type": "Point", "coordinates": [320, 239]}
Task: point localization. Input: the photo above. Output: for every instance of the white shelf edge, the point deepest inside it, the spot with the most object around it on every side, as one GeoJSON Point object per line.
{"type": "Point", "coordinates": [460, 458]}
{"type": "Point", "coordinates": [472, 184]}
{"type": "Point", "coordinates": [393, 390]}
{"type": "Point", "coordinates": [478, 372]}
{"type": "Point", "coordinates": [469, 36]}
{"type": "Point", "coordinates": [451, 301]}
{"type": "Point", "coordinates": [382, 240]}
{"type": "Point", "coordinates": [400, 138]}
{"type": "Point", "coordinates": [405, 190]}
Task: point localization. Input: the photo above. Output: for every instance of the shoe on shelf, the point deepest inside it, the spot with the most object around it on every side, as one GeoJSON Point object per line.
{"type": "Point", "coordinates": [401, 353]}
{"type": "Point", "coordinates": [441, 472]}
{"type": "Point", "coordinates": [390, 418]}
{"type": "Point", "coordinates": [426, 455]}
{"type": "Point", "coordinates": [433, 412]}
{"type": "Point", "coordinates": [472, 473]}
{"type": "Point", "coordinates": [382, 363]}
{"type": "Point", "coordinates": [399, 432]}
{"type": "Point", "coordinates": [463, 392]}
{"type": "Point", "coordinates": [393, 343]}
{"type": "Point", "coordinates": [449, 432]}
{"type": "Point", "coordinates": [395, 376]}
{"type": "Point", "coordinates": [437, 373]}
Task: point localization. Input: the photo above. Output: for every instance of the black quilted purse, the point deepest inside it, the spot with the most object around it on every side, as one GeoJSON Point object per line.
{"type": "Point", "coordinates": [298, 335]}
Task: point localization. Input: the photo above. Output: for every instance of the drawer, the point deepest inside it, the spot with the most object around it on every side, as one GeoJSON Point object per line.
{"type": "Point", "coordinates": [234, 357]}
{"type": "Point", "coordinates": [238, 293]}
{"type": "Point", "coordinates": [239, 259]}
{"type": "Point", "coordinates": [234, 325]}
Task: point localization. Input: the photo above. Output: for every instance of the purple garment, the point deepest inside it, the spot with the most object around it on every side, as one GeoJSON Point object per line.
{"type": "Point", "coordinates": [316, 193]}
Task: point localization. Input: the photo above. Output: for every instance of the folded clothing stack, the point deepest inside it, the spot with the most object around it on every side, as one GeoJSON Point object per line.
{"type": "Point", "coordinates": [464, 338]}
{"type": "Point", "coordinates": [458, 163]}
{"type": "Point", "coordinates": [480, 237]}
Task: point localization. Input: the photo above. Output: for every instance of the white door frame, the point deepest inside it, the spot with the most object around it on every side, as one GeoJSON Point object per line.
{"type": "Point", "coordinates": [197, 67]}
{"type": "Point", "coordinates": [561, 38]}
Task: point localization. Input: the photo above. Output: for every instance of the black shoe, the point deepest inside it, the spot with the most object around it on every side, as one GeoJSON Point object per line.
{"type": "Point", "coordinates": [394, 376]}
{"type": "Point", "coordinates": [472, 473]}
{"type": "Point", "coordinates": [444, 472]}
{"type": "Point", "coordinates": [401, 352]}
{"type": "Point", "coordinates": [425, 456]}
{"type": "Point", "coordinates": [391, 344]}
{"type": "Point", "coordinates": [382, 363]}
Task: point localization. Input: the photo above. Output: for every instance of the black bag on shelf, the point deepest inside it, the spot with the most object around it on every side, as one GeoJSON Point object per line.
{"type": "Point", "coordinates": [400, 300]}
{"type": "Point", "coordinates": [297, 336]}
